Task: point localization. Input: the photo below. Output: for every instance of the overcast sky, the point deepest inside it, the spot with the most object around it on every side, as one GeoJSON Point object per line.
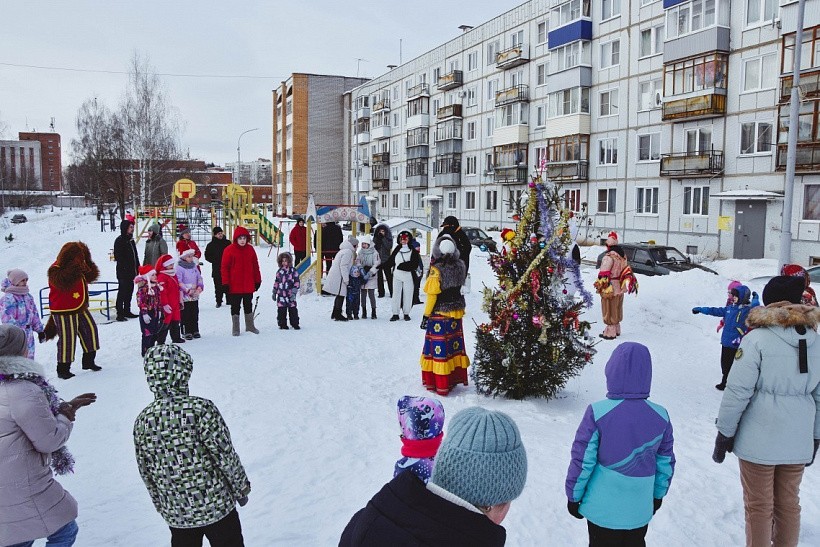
{"type": "Point", "coordinates": [268, 39]}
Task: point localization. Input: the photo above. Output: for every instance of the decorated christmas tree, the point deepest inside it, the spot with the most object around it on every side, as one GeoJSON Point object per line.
{"type": "Point", "coordinates": [536, 339]}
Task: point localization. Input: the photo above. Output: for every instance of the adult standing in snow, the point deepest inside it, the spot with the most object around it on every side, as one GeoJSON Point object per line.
{"type": "Point", "coordinates": [383, 242]}
{"type": "Point", "coordinates": [155, 245]}
{"type": "Point", "coordinates": [452, 228]}
{"type": "Point", "coordinates": [608, 285]}
{"type": "Point", "coordinates": [796, 270]}
{"type": "Point", "coordinates": [403, 261]}
{"type": "Point", "coordinates": [368, 259]}
{"type": "Point", "coordinates": [186, 458]}
{"type": "Point", "coordinates": [213, 254]}
{"type": "Point", "coordinates": [481, 467]}
{"type": "Point", "coordinates": [17, 307]}
{"type": "Point", "coordinates": [332, 238]}
{"type": "Point", "coordinates": [770, 412]}
{"type": "Point", "coordinates": [185, 242]}
{"type": "Point", "coordinates": [125, 253]}
{"type": "Point", "coordinates": [298, 240]}
{"type": "Point", "coordinates": [241, 278]}
{"type": "Point", "coordinates": [338, 276]}
{"type": "Point", "coordinates": [35, 425]}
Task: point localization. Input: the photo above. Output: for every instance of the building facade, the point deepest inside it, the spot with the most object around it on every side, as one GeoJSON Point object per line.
{"type": "Point", "coordinates": [21, 165]}
{"type": "Point", "coordinates": [51, 163]}
{"type": "Point", "coordinates": [257, 172]}
{"type": "Point", "coordinates": [308, 136]}
{"type": "Point", "coordinates": [664, 120]}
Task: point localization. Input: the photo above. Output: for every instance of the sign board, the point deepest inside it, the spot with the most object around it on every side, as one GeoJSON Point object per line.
{"type": "Point", "coordinates": [724, 223]}
{"type": "Point", "coordinates": [184, 188]}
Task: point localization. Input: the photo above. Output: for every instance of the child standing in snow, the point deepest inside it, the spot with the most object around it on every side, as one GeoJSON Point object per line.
{"type": "Point", "coordinates": [734, 320]}
{"type": "Point", "coordinates": [622, 457]}
{"type": "Point", "coordinates": [285, 287]}
{"type": "Point", "coordinates": [354, 289]}
{"type": "Point", "coordinates": [191, 286]}
{"type": "Point", "coordinates": [18, 307]}
{"type": "Point", "coordinates": [169, 296]}
{"type": "Point", "coordinates": [729, 300]}
{"type": "Point", "coordinates": [422, 424]}
{"type": "Point", "coordinates": [153, 329]}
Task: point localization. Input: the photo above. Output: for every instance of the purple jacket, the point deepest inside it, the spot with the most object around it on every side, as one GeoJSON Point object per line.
{"type": "Point", "coordinates": [622, 456]}
{"type": "Point", "coordinates": [286, 287]}
{"type": "Point", "coordinates": [20, 310]}
{"type": "Point", "coordinates": [190, 282]}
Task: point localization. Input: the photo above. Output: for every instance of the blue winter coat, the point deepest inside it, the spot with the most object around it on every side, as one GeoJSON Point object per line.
{"type": "Point", "coordinates": [734, 318]}
{"type": "Point", "coordinates": [622, 456]}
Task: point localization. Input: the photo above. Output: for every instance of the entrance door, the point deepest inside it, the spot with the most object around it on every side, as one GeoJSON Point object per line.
{"type": "Point", "coordinates": [750, 229]}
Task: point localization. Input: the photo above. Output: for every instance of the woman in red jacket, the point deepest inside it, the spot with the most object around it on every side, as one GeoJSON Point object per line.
{"type": "Point", "coordinates": [185, 242]}
{"type": "Point", "coordinates": [241, 278]}
{"type": "Point", "coordinates": [298, 239]}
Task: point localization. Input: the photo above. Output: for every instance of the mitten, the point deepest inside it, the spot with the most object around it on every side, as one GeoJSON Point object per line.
{"type": "Point", "coordinates": [146, 317]}
{"type": "Point", "coordinates": [695, 311]}
{"type": "Point", "coordinates": [424, 324]}
{"type": "Point", "coordinates": [573, 508]}
{"type": "Point", "coordinates": [256, 286]}
{"type": "Point", "coordinates": [243, 501]}
{"type": "Point", "coordinates": [41, 337]}
{"type": "Point", "coordinates": [465, 289]}
{"type": "Point", "coordinates": [167, 309]}
{"type": "Point", "coordinates": [723, 444]}
{"type": "Point", "coordinates": [755, 299]}
{"type": "Point", "coordinates": [813, 456]}
{"type": "Point", "coordinates": [656, 504]}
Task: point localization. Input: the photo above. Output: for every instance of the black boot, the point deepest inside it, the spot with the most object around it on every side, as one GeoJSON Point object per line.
{"type": "Point", "coordinates": [88, 361]}
{"type": "Point", "coordinates": [282, 318]}
{"type": "Point", "coordinates": [63, 371]}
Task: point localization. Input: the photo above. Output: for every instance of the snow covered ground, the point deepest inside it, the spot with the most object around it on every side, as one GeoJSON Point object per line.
{"type": "Point", "coordinates": [313, 413]}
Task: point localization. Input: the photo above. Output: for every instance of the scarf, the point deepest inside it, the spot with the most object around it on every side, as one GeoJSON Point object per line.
{"type": "Point", "coordinates": [187, 265]}
{"type": "Point", "coordinates": [62, 462]}
{"type": "Point", "coordinates": [8, 288]}
{"type": "Point", "coordinates": [367, 257]}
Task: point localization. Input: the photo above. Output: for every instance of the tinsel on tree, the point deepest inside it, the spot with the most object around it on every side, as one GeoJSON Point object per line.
{"type": "Point", "coordinates": [536, 339]}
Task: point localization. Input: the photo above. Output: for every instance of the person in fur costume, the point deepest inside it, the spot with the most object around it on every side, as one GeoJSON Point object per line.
{"type": "Point", "coordinates": [608, 285]}
{"type": "Point", "coordinates": [68, 279]}
{"type": "Point", "coordinates": [153, 328]}
{"type": "Point", "coordinates": [444, 360]}
{"type": "Point", "coordinates": [17, 307]}
{"type": "Point", "coordinates": [422, 428]}
{"type": "Point", "coordinates": [35, 425]}
{"type": "Point", "coordinates": [170, 296]}
{"type": "Point", "coordinates": [285, 288]}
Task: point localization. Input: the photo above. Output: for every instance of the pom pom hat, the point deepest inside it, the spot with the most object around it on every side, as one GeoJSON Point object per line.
{"type": "Point", "coordinates": [482, 459]}
{"type": "Point", "coordinates": [186, 253]}
{"type": "Point", "coordinates": [446, 246]}
{"type": "Point", "coordinates": [165, 263]}
{"type": "Point", "coordinates": [15, 276]}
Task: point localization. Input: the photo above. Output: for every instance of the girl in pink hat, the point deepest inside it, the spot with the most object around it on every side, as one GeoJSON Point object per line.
{"type": "Point", "coordinates": [18, 307]}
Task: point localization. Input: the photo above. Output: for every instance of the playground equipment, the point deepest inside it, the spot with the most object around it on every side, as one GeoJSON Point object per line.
{"type": "Point", "coordinates": [238, 210]}
{"type": "Point", "coordinates": [101, 294]}
{"type": "Point", "coordinates": [355, 214]}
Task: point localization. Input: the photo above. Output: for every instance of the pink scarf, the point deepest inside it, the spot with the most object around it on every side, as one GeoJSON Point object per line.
{"type": "Point", "coordinates": [7, 287]}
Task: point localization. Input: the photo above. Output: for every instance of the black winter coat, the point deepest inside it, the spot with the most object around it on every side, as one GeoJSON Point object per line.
{"type": "Point", "coordinates": [332, 237]}
{"type": "Point", "coordinates": [462, 243]}
{"type": "Point", "coordinates": [213, 254]}
{"type": "Point", "coordinates": [405, 513]}
{"type": "Point", "coordinates": [125, 253]}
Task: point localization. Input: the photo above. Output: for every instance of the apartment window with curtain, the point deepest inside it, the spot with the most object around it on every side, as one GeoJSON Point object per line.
{"type": "Point", "coordinates": [569, 101]}
{"type": "Point", "coordinates": [606, 200]}
{"type": "Point", "coordinates": [610, 54]}
{"type": "Point", "coordinates": [761, 11]}
{"type": "Point", "coordinates": [608, 151]}
{"type": "Point", "coordinates": [491, 200]}
{"type": "Point", "coordinates": [542, 32]}
{"type": "Point", "coordinates": [646, 201]}
{"type": "Point", "coordinates": [651, 42]}
{"type": "Point", "coordinates": [755, 138]}
{"type": "Point", "coordinates": [451, 200]}
{"type": "Point", "coordinates": [610, 9]}
{"type": "Point", "coordinates": [469, 200]}
{"type": "Point", "coordinates": [698, 140]}
{"type": "Point", "coordinates": [760, 73]}
{"type": "Point", "coordinates": [649, 147]}
{"type": "Point", "coordinates": [811, 202]}
{"type": "Point", "coordinates": [650, 95]}
{"type": "Point", "coordinates": [696, 15]}
{"type": "Point", "coordinates": [395, 201]}
{"type": "Point", "coordinates": [696, 200]}
{"type": "Point", "coordinates": [572, 199]}
{"type": "Point", "coordinates": [608, 102]}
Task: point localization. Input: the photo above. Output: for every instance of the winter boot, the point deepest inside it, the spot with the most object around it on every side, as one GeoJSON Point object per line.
{"type": "Point", "coordinates": [394, 318]}
{"type": "Point", "coordinates": [88, 361]}
{"type": "Point", "coordinates": [63, 371]}
{"type": "Point", "coordinates": [373, 315]}
{"type": "Point", "coordinates": [293, 314]}
{"type": "Point", "coordinates": [235, 320]}
{"type": "Point", "coordinates": [406, 317]}
{"type": "Point", "coordinates": [249, 326]}
{"type": "Point", "coordinates": [364, 313]}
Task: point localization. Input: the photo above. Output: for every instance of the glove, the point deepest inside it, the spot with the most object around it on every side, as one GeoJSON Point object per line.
{"type": "Point", "coordinates": [146, 318]}
{"type": "Point", "coordinates": [755, 299]}
{"type": "Point", "coordinates": [813, 456]}
{"type": "Point", "coordinates": [424, 326]}
{"type": "Point", "coordinates": [167, 309]}
{"type": "Point", "coordinates": [41, 337]}
{"type": "Point", "coordinates": [243, 501]}
{"type": "Point", "coordinates": [695, 311]}
{"type": "Point", "coordinates": [572, 507]}
{"type": "Point", "coordinates": [723, 444]}
{"type": "Point", "coordinates": [656, 504]}
{"type": "Point", "coordinates": [256, 286]}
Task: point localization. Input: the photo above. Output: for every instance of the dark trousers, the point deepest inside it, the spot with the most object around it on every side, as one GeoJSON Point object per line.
{"type": "Point", "coordinates": [298, 256]}
{"type": "Point", "coordinates": [727, 357]}
{"type": "Point", "coordinates": [371, 293]}
{"type": "Point", "coordinates": [124, 294]}
{"type": "Point", "coordinates": [416, 287]}
{"type": "Point", "coordinates": [283, 313]}
{"type": "Point", "coordinates": [329, 256]}
{"type": "Point", "coordinates": [224, 533]}
{"type": "Point", "coordinates": [338, 302]}
{"type": "Point", "coordinates": [151, 329]}
{"type": "Point", "coordinates": [162, 334]}
{"type": "Point", "coordinates": [244, 300]}
{"type": "Point", "coordinates": [388, 275]}
{"type": "Point", "coordinates": [219, 291]}
{"type": "Point", "coordinates": [174, 329]}
{"type": "Point", "coordinates": [190, 317]}
{"type": "Point", "coordinates": [608, 537]}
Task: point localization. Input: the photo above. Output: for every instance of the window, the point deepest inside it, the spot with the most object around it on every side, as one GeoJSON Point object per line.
{"type": "Point", "coordinates": [569, 148]}
{"type": "Point", "coordinates": [606, 200]}
{"type": "Point", "coordinates": [419, 202]}
{"type": "Point", "coordinates": [651, 95]}
{"type": "Point", "coordinates": [760, 11]}
{"type": "Point", "coordinates": [436, 74]}
{"type": "Point", "coordinates": [570, 55]}
{"type": "Point", "coordinates": [569, 12]}
{"type": "Point", "coordinates": [609, 102]}
{"type": "Point", "coordinates": [471, 96]}
{"type": "Point", "coordinates": [492, 49]}
{"type": "Point", "coordinates": [395, 119]}
{"type": "Point", "coordinates": [811, 202]}
{"type": "Point", "coordinates": [395, 201]}
{"type": "Point", "coordinates": [696, 200]}
{"type": "Point", "coordinates": [699, 74]}
{"type": "Point", "coordinates": [542, 32]}
{"type": "Point", "coordinates": [396, 93]}
{"type": "Point", "coordinates": [488, 164]}
{"type": "Point", "coordinates": [451, 200]}
{"type": "Point", "coordinates": [651, 41]}
{"type": "Point", "coordinates": [470, 131]}
{"type": "Point", "coordinates": [490, 200]}
{"type": "Point", "coordinates": [541, 156]}
{"type": "Point", "coordinates": [394, 147]}
{"type": "Point", "coordinates": [490, 126]}
{"type": "Point", "coordinates": [572, 199]}
{"type": "Point", "coordinates": [810, 55]}
{"type": "Point", "coordinates": [395, 173]}
{"type": "Point", "coordinates": [469, 201]}
{"type": "Point", "coordinates": [418, 106]}
{"type": "Point", "coordinates": [471, 165]}
{"type": "Point", "coordinates": [406, 200]}
{"type": "Point", "coordinates": [540, 116]}
{"type": "Point", "coordinates": [517, 38]}
{"type": "Point", "coordinates": [649, 147]}
{"type": "Point", "coordinates": [608, 151]}
{"type": "Point", "coordinates": [756, 138]}
{"type": "Point", "coordinates": [646, 201]}
{"type": "Point", "coordinates": [698, 141]}
{"type": "Point", "coordinates": [610, 9]}
{"type": "Point", "coordinates": [384, 201]}
{"type": "Point", "coordinates": [492, 87]}
{"type": "Point", "coordinates": [541, 74]}
{"type": "Point", "coordinates": [569, 101]}
{"type": "Point", "coordinates": [760, 73]}
{"type": "Point", "coordinates": [512, 114]}
{"type": "Point", "coordinates": [510, 155]}
{"type": "Point", "coordinates": [696, 15]}
{"type": "Point", "coordinates": [610, 53]}
{"type": "Point", "coordinates": [472, 60]}
{"type": "Point", "coordinates": [416, 167]}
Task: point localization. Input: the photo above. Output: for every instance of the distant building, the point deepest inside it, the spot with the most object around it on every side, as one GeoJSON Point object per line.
{"type": "Point", "coordinates": [51, 165]}
{"type": "Point", "coordinates": [257, 174]}
{"type": "Point", "coordinates": [20, 165]}
{"type": "Point", "coordinates": [309, 140]}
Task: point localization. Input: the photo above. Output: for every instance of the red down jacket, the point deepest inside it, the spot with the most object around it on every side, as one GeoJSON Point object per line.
{"type": "Point", "coordinates": [240, 267]}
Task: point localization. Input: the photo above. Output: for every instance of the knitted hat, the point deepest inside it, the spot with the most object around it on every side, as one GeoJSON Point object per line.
{"type": "Point", "coordinates": [184, 231]}
{"type": "Point", "coordinates": [16, 276]}
{"type": "Point", "coordinates": [365, 239]}
{"type": "Point", "coordinates": [217, 230]}
{"type": "Point", "coordinates": [783, 287]}
{"type": "Point", "coordinates": [352, 240]}
{"type": "Point", "coordinates": [12, 340]}
{"type": "Point", "coordinates": [482, 459]}
{"type": "Point", "coordinates": [446, 246]}
{"type": "Point", "coordinates": [796, 270]}
{"type": "Point", "coordinates": [733, 285]}
{"type": "Point", "coordinates": [186, 253]}
{"type": "Point", "coordinates": [612, 238]}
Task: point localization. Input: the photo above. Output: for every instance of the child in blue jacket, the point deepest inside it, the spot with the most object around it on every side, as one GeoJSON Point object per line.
{"type": "Point", "coordinates": [734, 321]}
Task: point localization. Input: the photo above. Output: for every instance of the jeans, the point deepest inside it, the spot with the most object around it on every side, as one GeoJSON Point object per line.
{"type": "Point", "coordinates": [64, 537]}
{"type": "Point", "coordinates": [224, 533]}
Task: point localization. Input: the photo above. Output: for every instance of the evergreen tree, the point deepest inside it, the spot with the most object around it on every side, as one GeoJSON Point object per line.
{"type": "Point", "coordinates": [535, 340]}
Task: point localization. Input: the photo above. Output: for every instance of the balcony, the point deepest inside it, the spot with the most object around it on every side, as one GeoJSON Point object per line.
{"type": "Point", "coordinates": [511, 175]}
{"type": "Point", "coordinates": [694, 108]}
{"type": "Point", "coordinates": [449, 111]}
{"type": "Point", "coordinates": [381, 184]}
{"type": "Point", "coordinates": [381, 104]}
{"type": "Point", "coordinates": [416, 172]}
{"type": "Point", "coordinates": [568, 170]}
{"type": "Point", "coordinates": [515, 94]}
{"type": "Point", "coordinates": [361, 138]}
{"type": "Point", "coordinates": [420, 90]}
{"type": "Point", "coordinates": [809, 84]}
{"type": "Point", "coordinates": [380, 177]}
{"type": "Point", "coordinates": [692, 164]}
{"type": "Point", "coordinates": [379, 132]}
{"type": "Point", "coordinates": [808, 157]}
{"type": "Point", "coordinates": [447, 170]}
{"type": "Point", "coordinates": [450, 81]}
{"type": "Point", "coordinates": [447, 180]}
{"type": "Point", "coordinates": [381, 158]}
{"type": "Point", "coordinates": [512, 57]}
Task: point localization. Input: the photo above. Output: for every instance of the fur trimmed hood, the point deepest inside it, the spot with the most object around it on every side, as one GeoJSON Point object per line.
{"type": "Point", "coordinates": [73, 261]}
{"type": "Point", "coordinates": [784, 314]}
{"type": "Point", "coordinates": [12, 364]}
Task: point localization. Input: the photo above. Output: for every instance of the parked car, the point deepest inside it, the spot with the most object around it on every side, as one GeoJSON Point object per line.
{"type": "Point", "coordinates": [479, 237]}
{"type": "Point", "coordinates": [18, 219]}
{"type": "Point", "coordinates": [814, 276]}
{"type": "Point", "coordinates": [649, 259]}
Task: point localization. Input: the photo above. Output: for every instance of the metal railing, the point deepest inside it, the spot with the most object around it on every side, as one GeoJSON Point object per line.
{"type": "Point", "coordinates": [517, 93]}
{"type": "Point", "coordinates": [691, 164]}
{"type": "Point", "coordinates": [568, 170]}
{"type": "Point", "coordinates": [99, 298]}
{"type": "Point", "coordinates": [450, 80]}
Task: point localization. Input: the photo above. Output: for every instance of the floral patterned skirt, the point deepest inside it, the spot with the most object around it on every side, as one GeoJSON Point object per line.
{"type": "Point", "coordinates": [443, 360]}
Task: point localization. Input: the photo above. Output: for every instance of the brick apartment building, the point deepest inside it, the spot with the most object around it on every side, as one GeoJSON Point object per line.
{"type": "Point", "coordinates": [51, 165]}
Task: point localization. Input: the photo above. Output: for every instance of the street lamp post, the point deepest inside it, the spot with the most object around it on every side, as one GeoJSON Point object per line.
{"type": "Point", "coordinates": [239, 157]}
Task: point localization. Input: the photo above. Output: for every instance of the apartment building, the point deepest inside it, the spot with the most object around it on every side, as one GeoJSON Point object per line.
{"type": "Point", "coordinates": [51, 162]}
{"type": "Point", "coordinates": [665, 120]}
{"type": "Point", "coordinates": [21, 165]}
{"type": "Point", "coordinates": [308, 141]}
